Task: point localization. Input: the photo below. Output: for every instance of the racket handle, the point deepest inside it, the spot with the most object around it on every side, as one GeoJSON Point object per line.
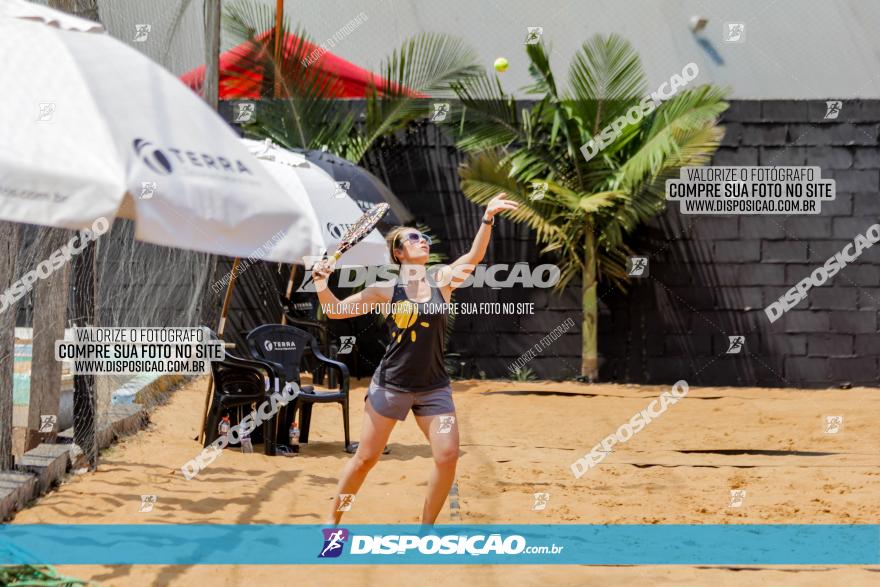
{"type": "Point", "coordinates": [336, 255]}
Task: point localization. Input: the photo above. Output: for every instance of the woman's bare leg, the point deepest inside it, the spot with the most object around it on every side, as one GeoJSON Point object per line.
{"type": "Point", "coordinates": [374, 435]}
{"type": "Point", "coordinates": [444, 448]}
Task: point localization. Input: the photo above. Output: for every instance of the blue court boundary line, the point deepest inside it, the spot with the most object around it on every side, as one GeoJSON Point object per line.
{"type": "Point", "coordinates": [664, 544]}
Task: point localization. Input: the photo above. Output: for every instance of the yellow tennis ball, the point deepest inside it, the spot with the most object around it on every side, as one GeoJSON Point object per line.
{"type": "Point", "coordinates": [501, 64]}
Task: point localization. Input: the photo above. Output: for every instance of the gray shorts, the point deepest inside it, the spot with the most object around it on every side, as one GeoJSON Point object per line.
{"type": "Point", "coordinates": [397, 404]}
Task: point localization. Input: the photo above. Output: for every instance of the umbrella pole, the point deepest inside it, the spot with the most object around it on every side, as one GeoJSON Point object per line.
{"type": "Point", "coordinates": [289, 291]}
{"type": "Point", "coordinates": [227, 300]}
{"type": "Point", "coordinates": [279, 19]}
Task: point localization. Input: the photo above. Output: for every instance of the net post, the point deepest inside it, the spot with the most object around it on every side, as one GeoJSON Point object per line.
{"type": "Point", "coordinates": [85, 398]}
{"type": "Point", "coordinates": [9, 247]}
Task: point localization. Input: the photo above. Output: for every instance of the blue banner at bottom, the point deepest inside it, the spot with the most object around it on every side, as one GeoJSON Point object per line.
{"type": "Point", "coordinates": [567, 544]}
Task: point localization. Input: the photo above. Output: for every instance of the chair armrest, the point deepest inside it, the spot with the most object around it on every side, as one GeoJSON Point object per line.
{"type": "Point", "coordinates": [274, 370]}
{"type": "Point", "coordinates": [242, 362]}
{"type": "Point", "coordinates": [341, 367]}
{"type": "Point", "coordinates": [278, 368]}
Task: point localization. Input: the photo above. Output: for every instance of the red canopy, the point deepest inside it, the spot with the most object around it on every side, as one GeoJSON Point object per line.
{"type": "Point", "coordinates": [237, 82]}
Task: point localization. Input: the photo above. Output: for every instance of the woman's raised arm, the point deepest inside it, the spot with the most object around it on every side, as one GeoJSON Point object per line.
{"type": "Point", "coordinates": [454, 275]}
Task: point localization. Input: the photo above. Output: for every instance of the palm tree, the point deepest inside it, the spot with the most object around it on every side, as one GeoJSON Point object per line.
{"type": "Point", "coordinates": [590, 207]}
{"type": "Point", "coordinates": [309, 118]}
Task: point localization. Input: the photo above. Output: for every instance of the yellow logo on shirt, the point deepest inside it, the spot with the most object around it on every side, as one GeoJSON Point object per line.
{"type": "Point", "coordinates": [405, 315]}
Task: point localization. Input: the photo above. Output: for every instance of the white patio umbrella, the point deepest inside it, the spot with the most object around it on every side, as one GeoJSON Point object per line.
{"type": "Point", "coordinates": [332, 209]}
{"type": "Point", "coordinates": [90, 127]}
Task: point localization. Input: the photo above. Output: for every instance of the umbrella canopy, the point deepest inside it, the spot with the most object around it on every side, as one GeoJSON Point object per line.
{"type": "Point", "coordinates": [238, 79]}
{"type": "Point", "coordinates": [364, 188]}
{"type": "Point", "coordinates": [333, 210]}
{"type": "Point", "coordinates": [91, 128]}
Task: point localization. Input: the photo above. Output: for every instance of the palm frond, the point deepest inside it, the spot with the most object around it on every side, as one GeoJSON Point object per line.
{"type": "Point", "coordinates": [605, 79]}
{"type": "Point", "coordinates": [554, 218]}
{"type": "Point", "coordinates": [542, 74]}
{"type": "Point", "coordinates": [687, 111]}
{"type": "Point", "coordinates": [425, 65]}
{"type": "Point", "coordinates": [489, 116]}
{"type": "Point", "coordinates": [428, 63]}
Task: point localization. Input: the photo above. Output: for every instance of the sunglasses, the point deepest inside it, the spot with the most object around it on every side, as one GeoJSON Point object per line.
{"type": "Point", "coordinates": [414, 237]}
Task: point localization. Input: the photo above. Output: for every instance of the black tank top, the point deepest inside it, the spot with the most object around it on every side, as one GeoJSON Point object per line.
{"type": "Point", "coordinates": [413, 360]}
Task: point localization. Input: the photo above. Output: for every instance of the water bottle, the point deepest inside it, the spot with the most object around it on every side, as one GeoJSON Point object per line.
{"type": "Point", "coordinates": [246, 445]}
{"type": "Point", "coordinates": [223, 428]}
{"type": "Point", "coordinates": [294, 437]}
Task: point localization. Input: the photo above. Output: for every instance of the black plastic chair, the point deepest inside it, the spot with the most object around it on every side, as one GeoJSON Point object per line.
{"type": "Point", "coordinates": [240, 382]}
{"type": "Point", "coordinates": [284, 347]}
{"type": "Point", "coordinates": [306, 320]}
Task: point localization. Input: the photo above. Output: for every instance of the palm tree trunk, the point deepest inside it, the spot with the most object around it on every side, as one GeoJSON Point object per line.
{"type": "Point", "coordinates": [590, 306]}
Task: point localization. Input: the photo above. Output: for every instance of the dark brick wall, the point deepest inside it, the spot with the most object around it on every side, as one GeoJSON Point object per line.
{"type": "Point", "coordinates": [710, 276]}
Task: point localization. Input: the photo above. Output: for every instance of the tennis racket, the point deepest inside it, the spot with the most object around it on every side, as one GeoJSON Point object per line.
{"type": "Point", "coordinates": [360, 229]}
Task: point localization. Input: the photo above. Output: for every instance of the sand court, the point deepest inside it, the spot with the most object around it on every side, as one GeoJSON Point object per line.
{"type": "Point", "coordinates": [770, 447]}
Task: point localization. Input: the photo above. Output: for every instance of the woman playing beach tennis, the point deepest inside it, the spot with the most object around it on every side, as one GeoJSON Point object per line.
{"type": "Point", "coordinates": [411, 374]}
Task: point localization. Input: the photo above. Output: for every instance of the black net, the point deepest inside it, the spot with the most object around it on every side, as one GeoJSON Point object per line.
{"type": "Point", "coordinates": [114, 281]}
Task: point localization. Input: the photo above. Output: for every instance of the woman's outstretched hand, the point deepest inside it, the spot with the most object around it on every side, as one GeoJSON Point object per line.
{"type": "Point", "coordinates": [499, 203]}
{"type": "Point", "coordinates": [321, 271]}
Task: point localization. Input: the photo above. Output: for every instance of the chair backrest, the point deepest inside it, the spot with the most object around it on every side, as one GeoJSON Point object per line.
{"type": "Point", "coordinates": [233, 379]}
{"type": "Point", "coordinates": [282, 344]}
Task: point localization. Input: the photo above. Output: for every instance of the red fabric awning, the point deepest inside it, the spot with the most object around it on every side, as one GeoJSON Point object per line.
{"type": "Point", "coordinates": [237, 82]}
